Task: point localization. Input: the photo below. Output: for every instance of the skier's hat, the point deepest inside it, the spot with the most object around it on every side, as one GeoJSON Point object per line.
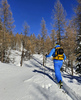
{"type": "Point", "coordinates": [57, 44]}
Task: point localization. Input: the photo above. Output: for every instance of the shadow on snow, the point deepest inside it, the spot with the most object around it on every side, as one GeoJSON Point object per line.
{"type": "Point", "coordinates": [44, 69]}
{"type": "Point", "coordinates": [72, 77]}
{"type": "Point", "coordinates": [45, 74]}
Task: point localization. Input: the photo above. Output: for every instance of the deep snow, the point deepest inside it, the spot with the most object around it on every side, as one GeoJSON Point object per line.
{"type": "Point", "coordinates": [32, 81]}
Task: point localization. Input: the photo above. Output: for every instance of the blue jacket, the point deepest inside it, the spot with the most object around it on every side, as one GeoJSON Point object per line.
{"type": "Point", "coordinates": [52, 53]}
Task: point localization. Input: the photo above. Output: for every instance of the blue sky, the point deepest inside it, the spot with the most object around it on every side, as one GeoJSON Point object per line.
{"type": "Point", "coordinates": [32, 12]}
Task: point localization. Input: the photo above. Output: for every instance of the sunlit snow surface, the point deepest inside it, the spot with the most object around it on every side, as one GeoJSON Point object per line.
{"type": "Point", "coordinates": [33, 81]}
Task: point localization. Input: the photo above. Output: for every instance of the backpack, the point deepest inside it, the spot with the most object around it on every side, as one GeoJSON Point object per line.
{"type": "Point", "coordinates": [59, 53]}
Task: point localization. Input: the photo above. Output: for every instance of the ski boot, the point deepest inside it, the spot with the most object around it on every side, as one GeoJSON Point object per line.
{"type": "Point", "coordinates": [61, 84]}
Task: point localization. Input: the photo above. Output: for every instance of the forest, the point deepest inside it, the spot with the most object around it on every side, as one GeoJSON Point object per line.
{"type": "Point", "coordinates": [66, 32]}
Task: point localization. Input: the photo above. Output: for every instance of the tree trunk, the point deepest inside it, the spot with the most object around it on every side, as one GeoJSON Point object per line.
{"type": "Point", "coordinates": [43, 60]}
{"type": "Point", "coordinates": [72, 67]}
{"type": "Point", "coordinates": [22, 56]}
{"type": "Point", "coordinates": [3, 48]}
{"type": "Point", "coordinates": [2, 56]}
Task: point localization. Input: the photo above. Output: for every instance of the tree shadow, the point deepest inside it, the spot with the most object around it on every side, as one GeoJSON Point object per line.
{"type": "Point", "coordinates": [72, 77]}
{"type": "Point", "coordinates": [40, 66]}
{"type": "Point", "coordinates": [45, 68]}
{"type": "Point", "coordinates": [50, 69]}
{"type": "Point", "coordinates": [41, 72]}
{"type": "Point", "coordinates": [28, 65]}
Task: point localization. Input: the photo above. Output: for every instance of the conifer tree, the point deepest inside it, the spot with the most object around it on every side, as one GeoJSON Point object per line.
{"type": "Point", "coordinates": [70, 48]}
{"type": "Point", "coordinates": [24, 40]}
{"type": "Point", "coordinates": [6, 16]}
{"type": "Point", "coordinates": [78, 28]}
{"type": "Point", "coordinates": [33, 43]}
{"type": "Point", "coordinates": [43, 37]}
{"type": "Point", "coordinates": [48, 45]}
{"type": "Point", "coordinates": [38, 44]}
{"type": "Point", "coordinates": [1, 37]}
{"type": "Point", "coordinates": [59, 22]}
{"type": "Point", "coordinates": [7, 25]}
{"type": "Point", "coordinates": [53, 36]}
{"type": "Point", "coordinates": [18, 41]}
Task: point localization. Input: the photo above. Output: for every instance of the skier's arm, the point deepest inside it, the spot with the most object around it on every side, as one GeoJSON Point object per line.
{"type": "Point", "coordinates": [51, 53]}
{"type": "Point", "coordinates": [64, 56]}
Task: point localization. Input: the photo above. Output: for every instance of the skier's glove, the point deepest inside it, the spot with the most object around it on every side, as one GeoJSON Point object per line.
{"type": "Point", "coordinates": [46, 55]}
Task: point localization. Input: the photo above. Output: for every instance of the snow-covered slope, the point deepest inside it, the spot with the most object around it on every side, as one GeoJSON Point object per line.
{"type": "Point", "coordinates": [33, 81]}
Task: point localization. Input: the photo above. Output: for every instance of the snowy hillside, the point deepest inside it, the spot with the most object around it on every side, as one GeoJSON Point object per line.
{"type": "Point", "coordinates": [32, 81]}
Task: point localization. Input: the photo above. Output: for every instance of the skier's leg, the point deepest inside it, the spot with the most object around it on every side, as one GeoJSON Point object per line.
{"type": "Point", "coordinates": [60, 65]}
{"type": "Point", "coordinates": [57, 66]}
{"type": "Point", "coordinates": [57, 70]}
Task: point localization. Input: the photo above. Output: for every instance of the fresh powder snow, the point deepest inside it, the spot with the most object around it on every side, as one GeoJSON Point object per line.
{"type": "Point", "coordinates": [33, 81]}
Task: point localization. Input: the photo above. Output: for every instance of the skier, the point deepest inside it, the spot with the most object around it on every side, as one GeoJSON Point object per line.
{"type": "Point", "coordinates": [58, 57]}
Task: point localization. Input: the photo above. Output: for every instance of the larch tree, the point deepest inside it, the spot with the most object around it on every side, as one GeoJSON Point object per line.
{"type": "Point", "coordinates": [59, 21]}
{"type": "Point", "coordinates": [1, 38]}
{"type": "Point", "coordinates": [7, 25]}
{"type": "Point", "coordinates": [33, 43]}
{"type": "Point", "coordinates": [53, 36]}
{"type": "Point", "coordinates": [24, 40]}
{"type": "Point", "coordinates": [43, 38]}
{"type": "Point", "coordinates": [18, 41]}
{"type": "Point", "coordinates": [48, 45]}
{"type": "Point", "coordinates": [7, 18]}
{"type": "Point", "coordinates": [38, 44]}
{"type": "Point", "coordinates": [70, 48]}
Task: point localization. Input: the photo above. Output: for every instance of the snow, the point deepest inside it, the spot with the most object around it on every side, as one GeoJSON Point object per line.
{"type": "Point", "coordinates": [74, 83]}
{"type": "Point", "coordinates": [15, 57]}
{"type": "Point", "coordinates": [33, 81]}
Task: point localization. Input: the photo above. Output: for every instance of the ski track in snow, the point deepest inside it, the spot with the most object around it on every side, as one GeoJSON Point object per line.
{"type": "Point", "coordinates": [33, 81]}
{"type": "Point", "coordinates": [68, 90]}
